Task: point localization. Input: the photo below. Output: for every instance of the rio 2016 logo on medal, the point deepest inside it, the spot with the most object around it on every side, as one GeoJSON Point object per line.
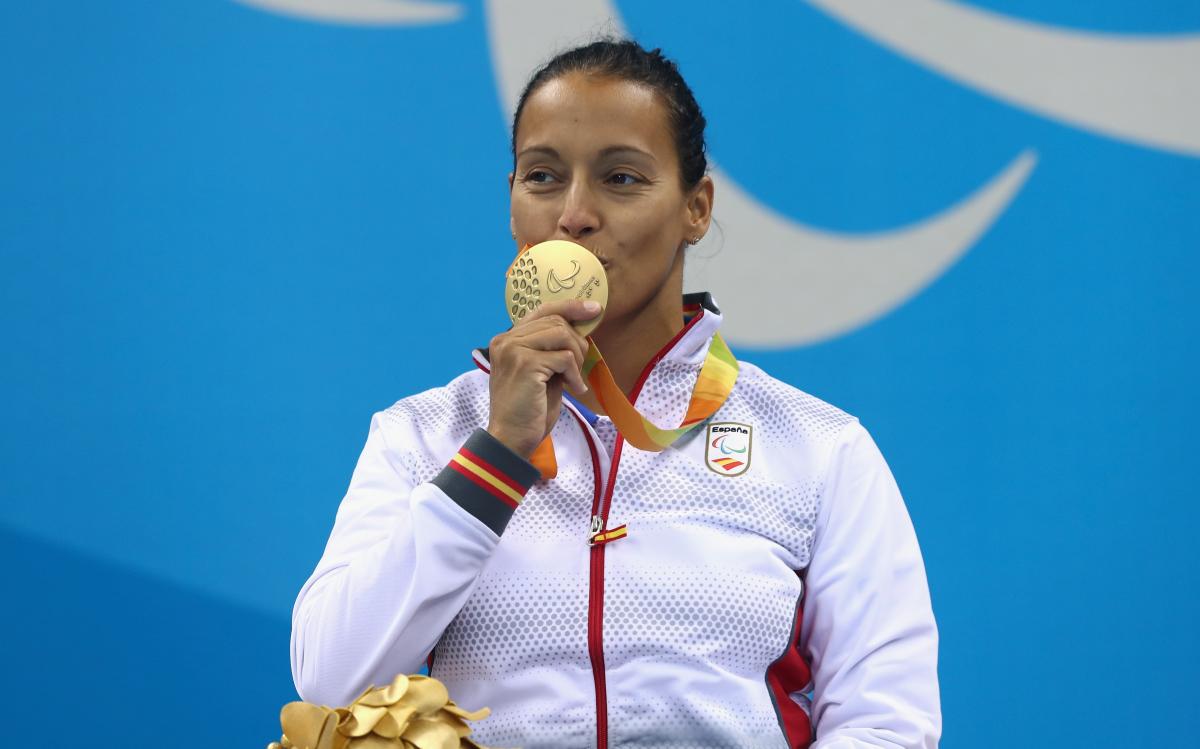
{"type": "Point", "coordinates": [727, 448]}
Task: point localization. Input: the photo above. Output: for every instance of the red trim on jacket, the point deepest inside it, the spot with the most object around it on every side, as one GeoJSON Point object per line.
{"type": "Point", "coordinates": [791, 673]}
{"type": "Point", "coordinates": [596, 572]}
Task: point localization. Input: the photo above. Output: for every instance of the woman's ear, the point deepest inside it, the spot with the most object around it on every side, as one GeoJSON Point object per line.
{"type": "Point", "coordinates": [699, 207]}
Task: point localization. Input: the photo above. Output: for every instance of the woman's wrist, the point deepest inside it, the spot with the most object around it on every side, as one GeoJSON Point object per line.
{"type": "Point", "coordinates": [518, 446]}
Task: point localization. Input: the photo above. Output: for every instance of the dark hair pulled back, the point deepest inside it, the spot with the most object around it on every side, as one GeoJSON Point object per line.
{"type": "Point", "coordinates": [627, 60]}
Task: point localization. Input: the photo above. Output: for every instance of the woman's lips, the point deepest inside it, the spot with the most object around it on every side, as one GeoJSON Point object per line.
{"type": "Point", "coordinates": [604, 262]}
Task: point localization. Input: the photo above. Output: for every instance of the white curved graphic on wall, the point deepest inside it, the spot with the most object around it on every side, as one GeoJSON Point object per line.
{"type": "Point", "coordinates": [1144, 89]}
{"type": "Point", "coordinates": [364, 12]}
{"type": "Point", "coordinates": [790, 284]}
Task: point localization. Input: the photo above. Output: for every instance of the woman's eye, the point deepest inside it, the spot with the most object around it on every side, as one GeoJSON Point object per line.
{"type": "Point", "coordinates": [538, 177]}
{"type": "Point", "coordinates": [623, 178]}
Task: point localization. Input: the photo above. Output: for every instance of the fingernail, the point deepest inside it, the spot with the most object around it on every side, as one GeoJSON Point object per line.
{"type": "Point", "coordinates": [591, 306]}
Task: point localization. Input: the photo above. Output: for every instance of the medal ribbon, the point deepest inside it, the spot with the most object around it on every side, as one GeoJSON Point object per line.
{"type": "Point", "coordinates": [713, 385]}
{"type": "Point", "coordinates": [717, 375]}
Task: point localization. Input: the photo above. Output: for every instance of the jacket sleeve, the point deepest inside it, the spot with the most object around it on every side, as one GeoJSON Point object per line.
{"type": "Point", "coordinates": [402, 559]}
{"type": "Point", "coordinates": [868, 630]}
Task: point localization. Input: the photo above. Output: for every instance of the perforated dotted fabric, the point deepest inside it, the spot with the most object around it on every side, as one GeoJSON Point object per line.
{"type": "Point", "coordinates": [524, 632]}
{"type": "Point", "coordinates": [716, 625]}
{"type": "Point", "coordinates": [706, 582]}
{"type": "Point", "coordinates": [446, 416]}
{"type": "Point", "coordinates": [777, 497]}
{"type": "Point", "coordinates": [525, 626]}
{"type": "Point", "coordinates": [607, 432]}
{"type": "Point", "coordinates": [700, 598]}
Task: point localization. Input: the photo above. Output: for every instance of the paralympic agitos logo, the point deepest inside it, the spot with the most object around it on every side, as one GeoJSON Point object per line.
{"type": "Point", "coordinates": [556, 284]}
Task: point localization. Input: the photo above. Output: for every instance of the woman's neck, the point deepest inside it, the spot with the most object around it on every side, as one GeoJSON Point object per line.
{"type": "Point", "coordinates": [628, 344]}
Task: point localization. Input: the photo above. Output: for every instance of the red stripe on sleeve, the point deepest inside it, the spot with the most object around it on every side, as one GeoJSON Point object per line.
{"type": "Point", "coordinates": [492, 470]}
{"type": "Point", "coordinates": [484, 485]}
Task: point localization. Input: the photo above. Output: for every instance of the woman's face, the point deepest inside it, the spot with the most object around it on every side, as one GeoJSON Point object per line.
{"type": "Point", "coordinates": [596, 164]}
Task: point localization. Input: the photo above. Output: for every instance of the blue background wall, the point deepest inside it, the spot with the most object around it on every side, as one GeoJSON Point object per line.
{"type": "Point", "coordinates": [218, 230]}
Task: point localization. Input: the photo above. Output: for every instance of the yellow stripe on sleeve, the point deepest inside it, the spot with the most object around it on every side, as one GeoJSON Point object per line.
{"type": "Point", "coordinates": [492, 481]}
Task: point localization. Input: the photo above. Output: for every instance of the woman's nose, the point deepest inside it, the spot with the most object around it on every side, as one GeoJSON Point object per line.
{"type": "Point", "coordinates": [579, 216]}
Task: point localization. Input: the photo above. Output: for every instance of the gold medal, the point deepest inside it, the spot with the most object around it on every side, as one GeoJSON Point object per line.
{"type": "Point", "coordinates": [554, 270]}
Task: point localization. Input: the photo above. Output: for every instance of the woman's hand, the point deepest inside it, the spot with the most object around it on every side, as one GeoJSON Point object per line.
{"type": "Point", "coordinates": [530, 365]}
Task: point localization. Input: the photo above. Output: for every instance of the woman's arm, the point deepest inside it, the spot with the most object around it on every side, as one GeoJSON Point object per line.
{"type": "Point", "coordinates": [404, 556]}
{"type": "Point", "coordinates": [868, 627]}
{"type": "Point", "coordinates": [400, 563]}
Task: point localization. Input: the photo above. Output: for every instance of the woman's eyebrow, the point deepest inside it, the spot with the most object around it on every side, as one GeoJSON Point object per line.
{"type": "Point", "coordinates": [540, 149]}
{"type": "Point", "coordinates": [606, 151]}
{"type": "Point", "coordinates": [611, 150]}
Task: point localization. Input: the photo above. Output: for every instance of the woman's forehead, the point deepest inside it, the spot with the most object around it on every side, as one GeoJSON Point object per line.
{"type": "Point", "coordinates": [580, 112]}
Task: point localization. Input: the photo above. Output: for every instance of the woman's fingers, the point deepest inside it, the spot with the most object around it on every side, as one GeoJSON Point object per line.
{"type": "Point", "coordinates": [567, 366]}
{"type": "Point", "coordinates": [546, 356]}
{"type": "Point", "coordinates": [572, 310]}
{"type": "Point", "coordinates": [530, 365]}
{"type": "Point", "coordinates": [567, 310]}
{"type": "Point", "coordinates": [551, 334]}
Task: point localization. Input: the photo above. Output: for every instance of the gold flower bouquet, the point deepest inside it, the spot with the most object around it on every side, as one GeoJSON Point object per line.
{"type": "Point", "coordinates": [413, 712]}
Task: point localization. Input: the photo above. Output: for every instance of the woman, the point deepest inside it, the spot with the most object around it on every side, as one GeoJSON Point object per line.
{"type": "Point", "coordinates": [596, 594]}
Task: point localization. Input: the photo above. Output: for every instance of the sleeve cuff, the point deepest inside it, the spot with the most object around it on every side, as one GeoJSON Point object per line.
{"type": "Point", "coordinates": [487, 479]}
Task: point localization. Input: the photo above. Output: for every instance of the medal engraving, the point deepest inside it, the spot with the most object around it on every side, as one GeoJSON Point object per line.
{"type": "Point", "coordinates": [555, 270]}
{"type": "Point", "coordinates": [555, 284]}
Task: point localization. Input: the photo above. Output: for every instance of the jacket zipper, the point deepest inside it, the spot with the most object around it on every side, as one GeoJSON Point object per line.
{"type": "Point", "coordinates": [595, 620]}
{"type": "Point", "coordinates": [601, 504]}
{"type": "Point", "coordinates": [596, 602]}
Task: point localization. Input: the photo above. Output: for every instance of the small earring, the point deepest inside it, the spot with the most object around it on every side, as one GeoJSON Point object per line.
{"type": "Point", "coordinates": [694, 240]}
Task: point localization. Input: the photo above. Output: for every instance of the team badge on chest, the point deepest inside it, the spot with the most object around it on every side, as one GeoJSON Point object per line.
{"type": "Point", "coordinates": [727, 448]}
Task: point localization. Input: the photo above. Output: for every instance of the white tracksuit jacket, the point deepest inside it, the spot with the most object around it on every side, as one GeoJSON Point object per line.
{"type": "Point", "coordinates": [781, 606]}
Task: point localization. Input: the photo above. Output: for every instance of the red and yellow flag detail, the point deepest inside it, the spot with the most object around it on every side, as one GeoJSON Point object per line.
{"type": "Point", "coordinates": [603, 537]}
{"type": "Point", "coordinates": [487, 477]}
{"type": "Point", "coordinates": [728, 464]}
